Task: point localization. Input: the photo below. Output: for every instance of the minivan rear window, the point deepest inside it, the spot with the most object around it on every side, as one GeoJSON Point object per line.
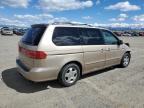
{"type": "Point", "coordinates": [33, 35]}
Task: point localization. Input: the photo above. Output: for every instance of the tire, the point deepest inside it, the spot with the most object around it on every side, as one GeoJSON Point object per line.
{"type": "Point", "coordinates": [2, 33]}
{"type": "Point", "coordinates": [69, 75]}
{"type": "Point", "coordinates": [125, 60]}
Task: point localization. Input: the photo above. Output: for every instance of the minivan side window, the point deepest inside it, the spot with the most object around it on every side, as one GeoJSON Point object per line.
{"type": "Point", "coordinates": [91, 36]}
{"type": "Point", "coordinates": [66, 36]}
{"type": "Point", "coordinates": [109, 38]}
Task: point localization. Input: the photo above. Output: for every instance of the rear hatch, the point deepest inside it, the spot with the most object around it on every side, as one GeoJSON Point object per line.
{"type": "Point", "coordinates": [28, 45]}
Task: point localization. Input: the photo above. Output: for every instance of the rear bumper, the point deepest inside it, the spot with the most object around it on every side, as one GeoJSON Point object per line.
{"type": "Point", "coordinates": [36, 74]}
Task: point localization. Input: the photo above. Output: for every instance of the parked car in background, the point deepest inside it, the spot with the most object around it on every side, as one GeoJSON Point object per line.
{"type": "Point", "coordinates": [16, 31]}
{"type": "Point", "coordinates": [0, 29]}
{"type": "Point", "coordinates": [117, 33]}
{"type": "Point", "coordinates": [141, 33]}
{"type": "Point", "coordinates": [23, 31]}
{"type": "Point", "coordinates": [126, 34]}
{"type": "Point", "coordinates": [6, 31]}
{"type": "Point", "coordinates": [19, 32]}
{"type": "Point", "coordinates": [135, 33]}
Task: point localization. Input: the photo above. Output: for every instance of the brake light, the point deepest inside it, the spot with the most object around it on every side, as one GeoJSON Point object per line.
{"type": "Point", "coordinates": [33, 54]}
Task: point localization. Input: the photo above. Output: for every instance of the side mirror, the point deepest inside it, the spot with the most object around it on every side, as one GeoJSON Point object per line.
{"type": "Point", "coordinates": [120, 42]}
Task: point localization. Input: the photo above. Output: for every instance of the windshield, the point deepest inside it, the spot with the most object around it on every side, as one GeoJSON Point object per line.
{"type": "Point", "coordinates": [6, 29]}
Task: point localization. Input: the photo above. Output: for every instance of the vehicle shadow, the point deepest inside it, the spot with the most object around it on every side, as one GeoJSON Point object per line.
{"type": "Point", "coordinates": [17, 82]}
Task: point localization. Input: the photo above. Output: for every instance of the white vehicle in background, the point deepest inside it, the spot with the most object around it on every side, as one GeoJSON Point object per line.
{"type": "Point", "coordinates": [126, 34]}
{"type": "Point", "coordinates": [6, 31]}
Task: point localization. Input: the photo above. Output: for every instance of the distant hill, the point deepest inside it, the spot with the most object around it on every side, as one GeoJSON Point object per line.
{"type": "Point", "coordinates": [12, 26]}
{"type": "Point", "coordinates": [124, 28]}
{"type": "Point", "coordinates": [111, 28]}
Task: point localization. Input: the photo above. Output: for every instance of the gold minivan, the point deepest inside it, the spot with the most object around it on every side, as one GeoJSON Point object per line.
{"type": "Point", "coordinates": [66, 51]}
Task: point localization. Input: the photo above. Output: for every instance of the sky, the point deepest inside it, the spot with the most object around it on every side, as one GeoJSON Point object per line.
{"type": "Point", "coordinates": [115, 13]}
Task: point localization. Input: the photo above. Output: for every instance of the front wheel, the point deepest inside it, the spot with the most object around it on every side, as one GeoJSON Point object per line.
{"type": "Point", "coordinates": [125, 60]}
{"type": "Point", "coordinates": [69, 74]}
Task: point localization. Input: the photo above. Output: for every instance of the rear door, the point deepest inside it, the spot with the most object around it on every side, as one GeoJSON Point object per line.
{"type": "Point", "coordinates": [94, 49]}
{"type": "Point", "coordinates": [113, 50]}
{"type": "Point", "coordinates": [29, 42]}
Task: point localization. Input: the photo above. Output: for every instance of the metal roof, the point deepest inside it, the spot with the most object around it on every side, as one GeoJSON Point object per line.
{"type": "Point", "coordinates": [68, 24]}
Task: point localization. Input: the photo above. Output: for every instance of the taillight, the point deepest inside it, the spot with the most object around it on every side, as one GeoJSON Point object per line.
{"type": "Point", "coordinates": [33, 54]}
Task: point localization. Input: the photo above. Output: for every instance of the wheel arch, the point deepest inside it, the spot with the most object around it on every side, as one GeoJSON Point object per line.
{"type": "Point", "coordinates": [129, 52]}
{"type": "Point", "coordinates": [75, 62]}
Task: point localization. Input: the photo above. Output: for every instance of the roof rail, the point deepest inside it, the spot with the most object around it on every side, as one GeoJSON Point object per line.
{"type": "Point", "coordinates": [71, 23]}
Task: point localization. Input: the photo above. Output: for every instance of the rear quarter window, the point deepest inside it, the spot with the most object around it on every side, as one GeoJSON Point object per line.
{"type": "Point", "coordinates": [33, 35]}
{"type": "Point", "coordinates": [66, 36]}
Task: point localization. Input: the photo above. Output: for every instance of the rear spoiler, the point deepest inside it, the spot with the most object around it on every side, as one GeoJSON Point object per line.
{"type": "Point", "coordinates": [39, 25]}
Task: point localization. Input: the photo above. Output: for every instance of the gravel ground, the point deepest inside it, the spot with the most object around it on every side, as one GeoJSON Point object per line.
{"type": "Point", "coordinates": [109, 88]}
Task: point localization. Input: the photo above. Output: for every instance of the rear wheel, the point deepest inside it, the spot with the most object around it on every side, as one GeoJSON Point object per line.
{"type": "Point", "coordinates": [2, 33]}
{"type": "Point", "coordinates": [69, 74]}
{"type": "Point", "coordinates": [125, 60]}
